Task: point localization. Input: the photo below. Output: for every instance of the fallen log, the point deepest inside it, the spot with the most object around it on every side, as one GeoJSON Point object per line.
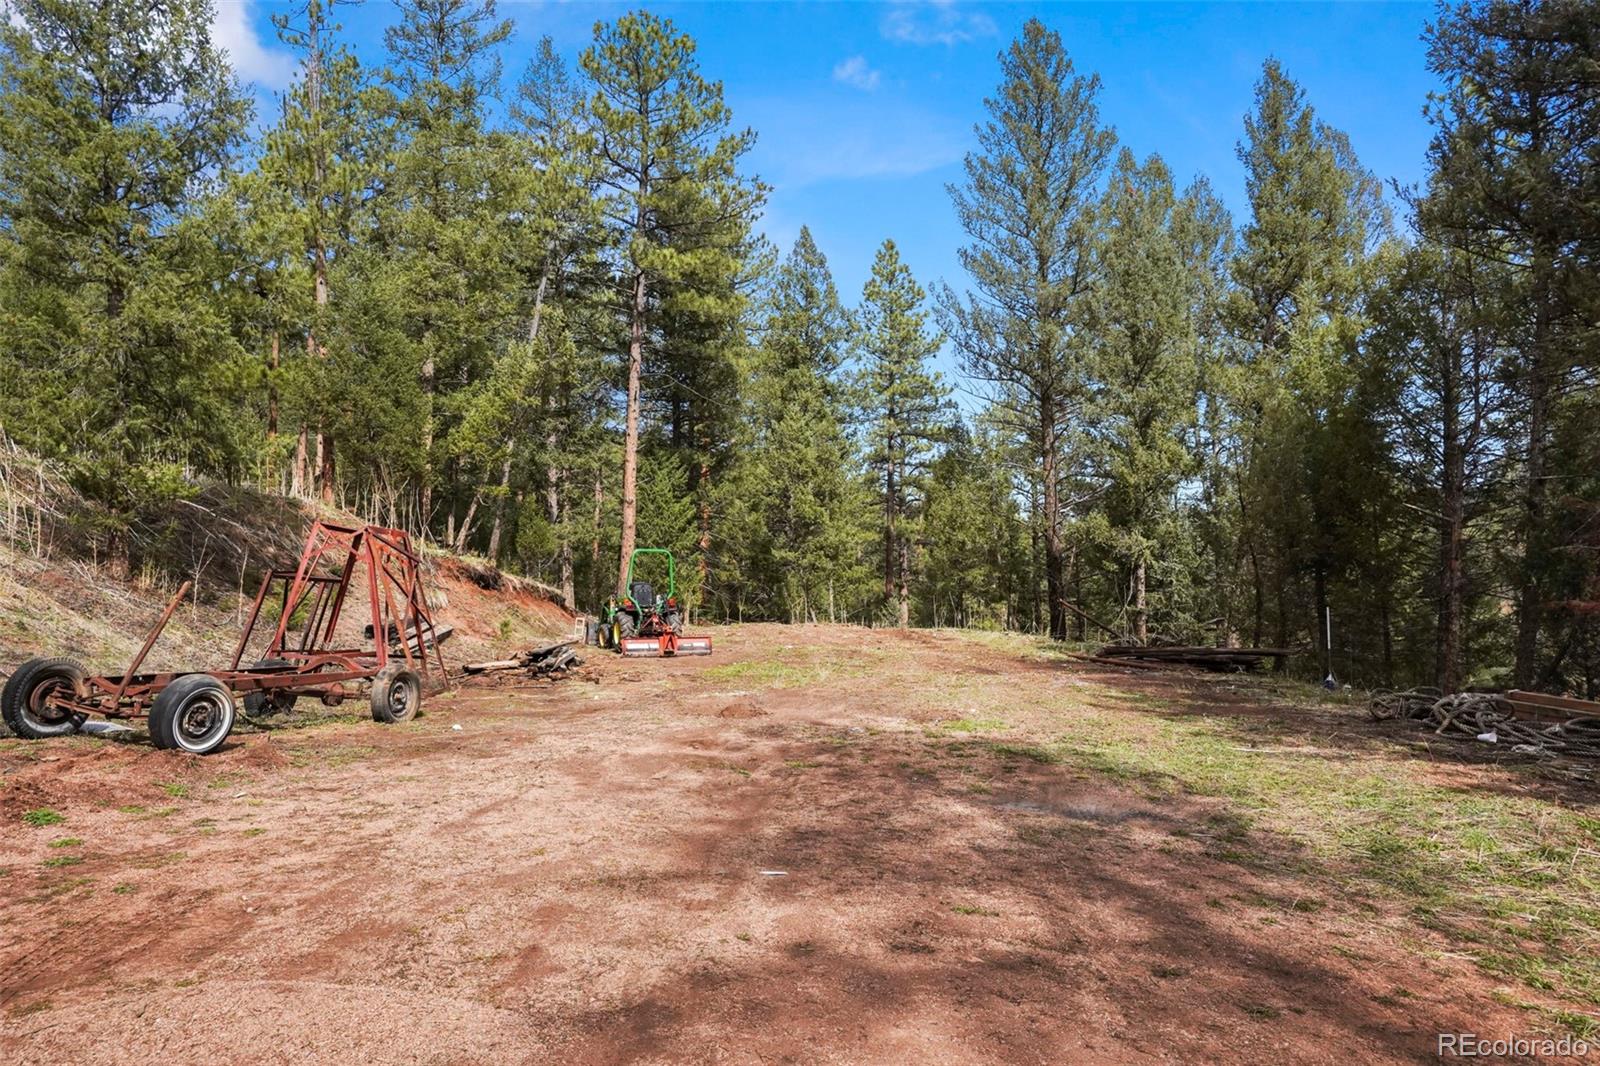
{"type": "Point", "coordinates": [549, 660]}
{"type": "Point", "coordinates": [1105, 661]}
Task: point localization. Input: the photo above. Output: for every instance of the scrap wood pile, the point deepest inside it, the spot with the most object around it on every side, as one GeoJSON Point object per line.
{"type": "Point", "coordinates": [1532, 723]}
{"type": "Point", "coordinates": [1226, 660]}
{"type": "Point", "coordinates": [551, 661]}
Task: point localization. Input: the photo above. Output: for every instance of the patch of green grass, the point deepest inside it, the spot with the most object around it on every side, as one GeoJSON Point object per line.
{"type": "Point", "coordinates": [131, 808]}
{"type": "Point", "coordinates": [125, 889]}
{"type": "Point", "coordinates": [974, 910]}
{"type": "Point", "coordinates": [973, 725]}
{"type": "Point", "coordinates": [64, 860]}
{"type": "Point", "coordinates": [745, 937]}
{"type": "Point", "coordinates": [43, 816]}
{"type": "Point", "coordinates": [1260, 1011]}
{"type": "Point", "coordinates": [176, 790]}
{"type": "Point", "coordinates": [1515, 875]}
{"type": "Point", "coordinates": [1582, 1026]}
{"type": "Point", "coordinates": [801, 764]}
{"type": "Point", "coordinates": [254, 831]}
{"type": "Point", "coordinates": [66, 842]}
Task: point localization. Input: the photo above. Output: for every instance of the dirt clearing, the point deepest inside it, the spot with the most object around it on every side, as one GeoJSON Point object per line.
{"type": "Point", "coordinates": [818, 845]}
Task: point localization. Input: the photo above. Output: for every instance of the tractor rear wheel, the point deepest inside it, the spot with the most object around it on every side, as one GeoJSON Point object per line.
{"type": "Point", "coordinates": [396, 694]}
{"type": "Point", "coordinates": [269, 701]}
{"type": "Point", "coordinates": [23, 699]}
{"type": "Point", "coordinates": [674, 622]}
{"type": "Point", "coordinates": [627, 626]}
{"type": "Point", "coordinates": [194, 714]}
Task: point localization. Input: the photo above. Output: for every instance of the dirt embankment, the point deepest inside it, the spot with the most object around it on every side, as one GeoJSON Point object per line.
{"type": "Point", "coordinates": [56, 598]}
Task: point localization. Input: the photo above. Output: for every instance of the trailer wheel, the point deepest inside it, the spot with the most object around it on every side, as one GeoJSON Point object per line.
{"type": "Point", "coordinates": [195, 714]}
{"type": "Point", "coordinates": [23, 699]}
{"type": "Point", "coordinates": [276, 701]}
{"type": "Point", "coordinates": [396, 694]}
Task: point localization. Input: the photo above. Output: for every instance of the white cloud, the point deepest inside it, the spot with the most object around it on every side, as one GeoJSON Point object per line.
{"type": "Point", "coordinates": [851, 140]}
{"type": "Point", "coordinates": [934, 22]}
{"type": "Point", "coordinates": [854, 71]}
{"type": "Point", "coordinates": [233, 31]}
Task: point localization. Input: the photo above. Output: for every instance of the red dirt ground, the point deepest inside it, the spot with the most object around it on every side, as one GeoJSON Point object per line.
{"type": "Point", "coordinates": [705, 860]}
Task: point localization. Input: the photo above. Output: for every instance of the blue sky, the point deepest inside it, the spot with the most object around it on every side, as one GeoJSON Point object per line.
{"type": "Point", "coordinates": [865, 110]}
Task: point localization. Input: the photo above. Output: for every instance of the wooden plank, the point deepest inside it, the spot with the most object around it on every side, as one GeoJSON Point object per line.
{"type": "Point", "coordinates": [1579, 708]}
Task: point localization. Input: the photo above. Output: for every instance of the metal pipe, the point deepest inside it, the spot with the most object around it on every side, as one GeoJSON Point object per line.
{"type": "Point", "coordinates": [149, 642]}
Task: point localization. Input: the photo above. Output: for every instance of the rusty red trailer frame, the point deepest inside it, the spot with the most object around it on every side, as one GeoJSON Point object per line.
{"type": "Point", "coordinates": [303, 660]}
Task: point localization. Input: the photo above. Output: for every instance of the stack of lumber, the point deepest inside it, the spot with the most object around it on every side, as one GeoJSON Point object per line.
{"type": "Point", "coordinates": [1228, 660]}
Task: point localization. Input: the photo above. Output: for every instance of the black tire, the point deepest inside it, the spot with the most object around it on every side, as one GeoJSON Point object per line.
{"type": "Point", "coordinates": [262, 702]}
{"type": "Point", "coordinates": [194, 714]}
{"type": "Point", "coordinates": [591, 632]}
{"type": "Point", "coordinates": [627, 626]}
{"type": "Point", "coordinates": [21, 701]}
{"type": "Point", "coordinates": [674, 622]}
{"type": "Point", "coordinates": [396, 694]}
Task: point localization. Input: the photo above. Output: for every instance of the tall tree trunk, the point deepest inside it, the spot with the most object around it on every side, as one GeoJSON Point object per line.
{"type": "Point", "coordinates": [497, 528]}
{"type": "Point", "coordinates": [703, 491]}
{"type": "Point", "coordinates": [319, 245]}
{"type": "Point", "coordinates": [425, 490]}
{"type": "Point", "coordinates": [569, 590]}
{"type": "Point", "coordinates": [595, 583]}
{"type": "Point", "coordinates": [889, 519]}
{"type": "Point", "coordinates": [1141, 617]}
{"type": "Point", "coordinates": [903, 579]}
{"type": "Point", "coordinates": [556, 511]}
{"type": "Point", "coordinates": [630, 441]}
{"type": "Point", "coordinates": [299, 477]}
{"type": "Point", "coordinates": [1530, 597]}
{"type": "Point", "coordinates": [1452, 537]}
{"type": "Point", "coordinates": [325, 468]}
{"type": "Point", "coordinates": [460, 542]}
{"type": "Point", "coordinates": [1054, 557]}
{"type": "Point", "coordinates": [272, 389]}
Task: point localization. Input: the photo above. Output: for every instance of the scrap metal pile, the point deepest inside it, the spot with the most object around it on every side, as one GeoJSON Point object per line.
{"type": "Point", "coordinates": [547, 661]}
{"type": "Point", "coordinates": [1530, 722]}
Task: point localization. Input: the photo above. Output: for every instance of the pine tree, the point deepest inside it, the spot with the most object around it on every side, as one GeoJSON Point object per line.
{"type": "Point", "coordinates": [449, 198]}
{"type": "Point", "coordinates": [1028, 206]}
{"type": "Point", "coordinates": [1299, 276]}
{"type": "Point", "coordinates": [1514, 165]}
{"type": "Point", "coordinates": [1145, 362]}
{"type": "Point", "coordinates": [977, 546]}
{"type": "Point", "coordinates": [306, 199]}
{"type": "Point", "coordinates": [676, 201]}
{"type": "Point", "coordinates": [906, 410]}
{"type": "Point", "coordinates": [559, 238]}
{"type": "Point", "coordinates": [116, 120]}
{"type": "Point", "coordinates": [807, 502]}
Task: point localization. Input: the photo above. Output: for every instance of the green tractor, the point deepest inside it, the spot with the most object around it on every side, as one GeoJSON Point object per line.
{"type": "Point", "coordinates": [645, 621]}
